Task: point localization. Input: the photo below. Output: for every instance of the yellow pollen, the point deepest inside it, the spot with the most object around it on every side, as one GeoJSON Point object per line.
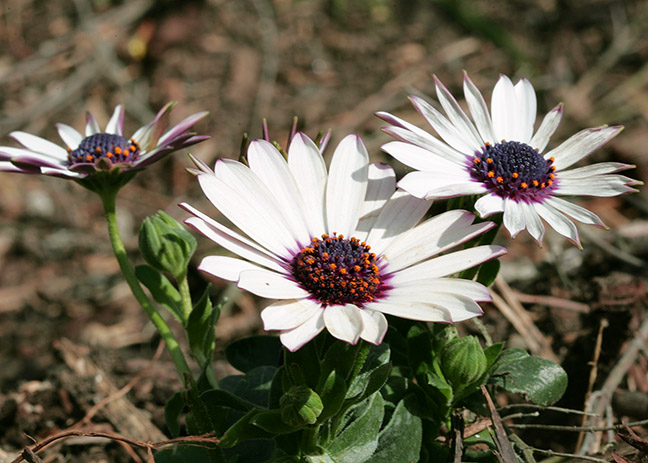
{"type": "Point", "coordinates": [98, 149]}
{"type": "Point", "coordinates": [332, 266]}
{"type": "Point", "coordinates": [515, 175]}
{"type": "Point", "coordinates": [491, 174]}
{"type": "Point", "coordinates": [489, 160]}
{"type": "Point", "coordinates": [109, 154]}
{"type": "Point", "coordinates": [118, 150]}
{"type": "Point", "coordinates": [476, 160]}
{"type": "Point", "coordinates": [343, 271]}
{"type": "Point", "coordinates": [552, 176]}
{"type": "Point", "coordinates": [500, 180]}
{"type": "Point", "coordinates": [535, 183]}
{"type": "Point", "coordinates": [543, 184]}
{"type": "Point", "coordinates": [524, 185]}
{"type": "Point", "coordinates": [88, 158]}
{"type": "Point", "coordinates": [69, 150]}
{"type": "Point", "coordinates": [549, 182]}
{"type": "Point", "coordinates": [552, 159]}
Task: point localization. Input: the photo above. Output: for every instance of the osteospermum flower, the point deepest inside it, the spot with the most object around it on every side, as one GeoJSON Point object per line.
{"type": "Point", "coordinates": [97, 150]}
{"type": "Point", "coordinates": [499, 156]}
{"type": "Point", "coordinates": [338, 250]}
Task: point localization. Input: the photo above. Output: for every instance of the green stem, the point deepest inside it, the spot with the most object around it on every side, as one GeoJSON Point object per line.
{"type": "Point", "coordinates": [185, 295]}
{"type": "Point", "coordinates": [109, 199]}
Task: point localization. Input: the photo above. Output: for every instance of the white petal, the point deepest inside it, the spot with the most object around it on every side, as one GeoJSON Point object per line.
{"type": "Point", "coordinates": [437, 185]}
{"type": "Point", "coordinates": [600, 168]}
{"type": "Point", "coordinates": [249, 206]}
{"type": "Point", "coordinates": [39, 145]}
{"type": "Point", "coordinates": [489, 204]}
{"type": "Point", "coordinates": [272, 285]}
{"type": "Point", "coordinates": [580, 145]}
{"type": "Point", "coordinates": [527, 109]}
{"type": "Point", "coordinates": [92, 126]}
{"type": "Point", "coordinates": [380, 187]}
{"type": "Point", "coordinates": [227, 268]}
{"type": "Point", "coordinates": [448, 264]}
{"type": "Point", "coordinates": [513, 217]}
{"type": "Point", "coordinates": [479, 110]}
{"type": "Point", "coordinates": [287, 315]}
{"type": "Point", "coordinates": [423, 289]}
{"type": "Point", "coordinates": [230, 240]}
{"type": "Point", "coordinates": [343, 322]}
{"type": "Point", "coordinates": [374, 326]}
{"type": "Point", "coordinates": [459, 139]}
{"type": "Point", "coordinates": [533, 223]}
{"type": "Point", "coordinates": [116, 122]}
{"type": "Point", "coordinates": [297, 337]}
{"type": "Point", "coordinates": [458, 306]}
{"type": "Point", "coordinates": [559, 222]}
{"type": "Point", "coordinates": [272, 169]}
{"type": "Point", "coordinates": [456, 189]}
{"type": "Point", "coordinates": [547, 128]}
{"type": "Point", "coordinates": [575, 211]}
{"type": "Point", "coordinates": [347, 185]}
{"type": "Point", "coordinates": [409, 133]}
{"type": "Point", "coordinates": [457, 116]}
{"type": "Point", "coordinates": [69, 135]}
{"type": "Point", "coordinates": [433, 236]}
{"type": "Point", "coordinates": [25, 156]}
{"type": "Point", "coordinates": [308, 168]}
{"type": "Point", "coordinates": [399, 214]}
{"type": "Point", "coordinates": [504, 109]}
{"type": "Point", "coordinates": [421, 158]}
{"type": "Point", "coordinates": [426, 312]}
{"type": "Point", "coordinates": [599, 185]}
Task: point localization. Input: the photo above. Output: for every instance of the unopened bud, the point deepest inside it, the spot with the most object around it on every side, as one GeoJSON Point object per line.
{"type": "Point", "coordinates": [166, 245]}
{"type": "Point", "coordinates": [463, 362]}
{"type": "Point", "coordinates": [300, 406]}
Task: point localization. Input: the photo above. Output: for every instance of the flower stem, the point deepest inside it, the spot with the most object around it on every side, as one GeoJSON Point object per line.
{"type": "Point", "coordinates": [185, 295]}
{"type": "Point", "coordinates": [109, 200]}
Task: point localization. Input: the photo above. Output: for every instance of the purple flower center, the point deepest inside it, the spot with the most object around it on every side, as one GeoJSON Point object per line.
{"type": "Point", "coordinates": [104, 145]}
{"type": "Point", "coordinates": [514, 170]}
{"type": "Point", "coordinates": [338, 271]}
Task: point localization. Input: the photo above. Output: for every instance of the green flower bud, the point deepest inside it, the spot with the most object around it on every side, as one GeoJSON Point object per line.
{"type": "Point", "coordinates": [166, 245]}
{"type": "Point", "coordinates": [300, 406]}
{"type": "Point", "coordinates": [463, 362]}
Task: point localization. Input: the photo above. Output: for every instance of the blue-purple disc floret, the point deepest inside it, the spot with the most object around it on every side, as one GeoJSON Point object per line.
{"type": "Point", "coordinates": [514, 170]}
{"type": "Point", "coordinates": [104, 145]}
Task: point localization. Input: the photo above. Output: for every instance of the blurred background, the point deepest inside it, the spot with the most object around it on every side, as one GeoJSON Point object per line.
{"type": "Point", "coordinates": [332, 63]}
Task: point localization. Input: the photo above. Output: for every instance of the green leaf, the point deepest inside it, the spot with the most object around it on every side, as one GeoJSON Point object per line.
{"type": "Point", "coordinates": [244, 430]}
{"type": "Point", "coordinates": [254, 351]}
{"type": "Point", "coordinates": [172, 411]}
{"type": "Point", "coordinates": [271, 422]}
{"type": "Point", "coordinates": [358, 441]}
{"type": "Point", "coordinates": [400, 440]}
{"type": "Point", "coordinates": [200, 329]}
{"type": "Point", "coordinates": [493, 352]}
{"type": "Point", "coordinates": [253, 387]}
{"type": "Point", "coordinates": [222, 398]}
{"type": "Point", "coordinates": [332, 395]}
{"type": "Point", "coordinates": [161, 289]}
{"type": "Point", "coordinates": [488, 272]}
{"type": "Point", "coordinates": [540, 380]}
{"type": "Point", "coordinates": [368, 382]}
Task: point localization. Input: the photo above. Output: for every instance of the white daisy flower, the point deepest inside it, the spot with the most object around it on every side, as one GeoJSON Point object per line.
{"type": "Point", "coordinates": [338, 250]}
{"type": "Point", "coordinates": [499, 156]}
{"type": "Point", "coordinates": [97, 150]}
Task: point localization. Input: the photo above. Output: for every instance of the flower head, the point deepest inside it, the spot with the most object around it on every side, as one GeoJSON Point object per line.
{"type": "Point", "coordinates": [337, 249]}
{"type": "Point", "coordinates": [106, 151]}
{"type": "Point", "coordinates": [498, 155]}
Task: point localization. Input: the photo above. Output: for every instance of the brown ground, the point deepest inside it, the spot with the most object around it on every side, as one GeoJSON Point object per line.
{"type": "Point", "coordinates": [333, 63]}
